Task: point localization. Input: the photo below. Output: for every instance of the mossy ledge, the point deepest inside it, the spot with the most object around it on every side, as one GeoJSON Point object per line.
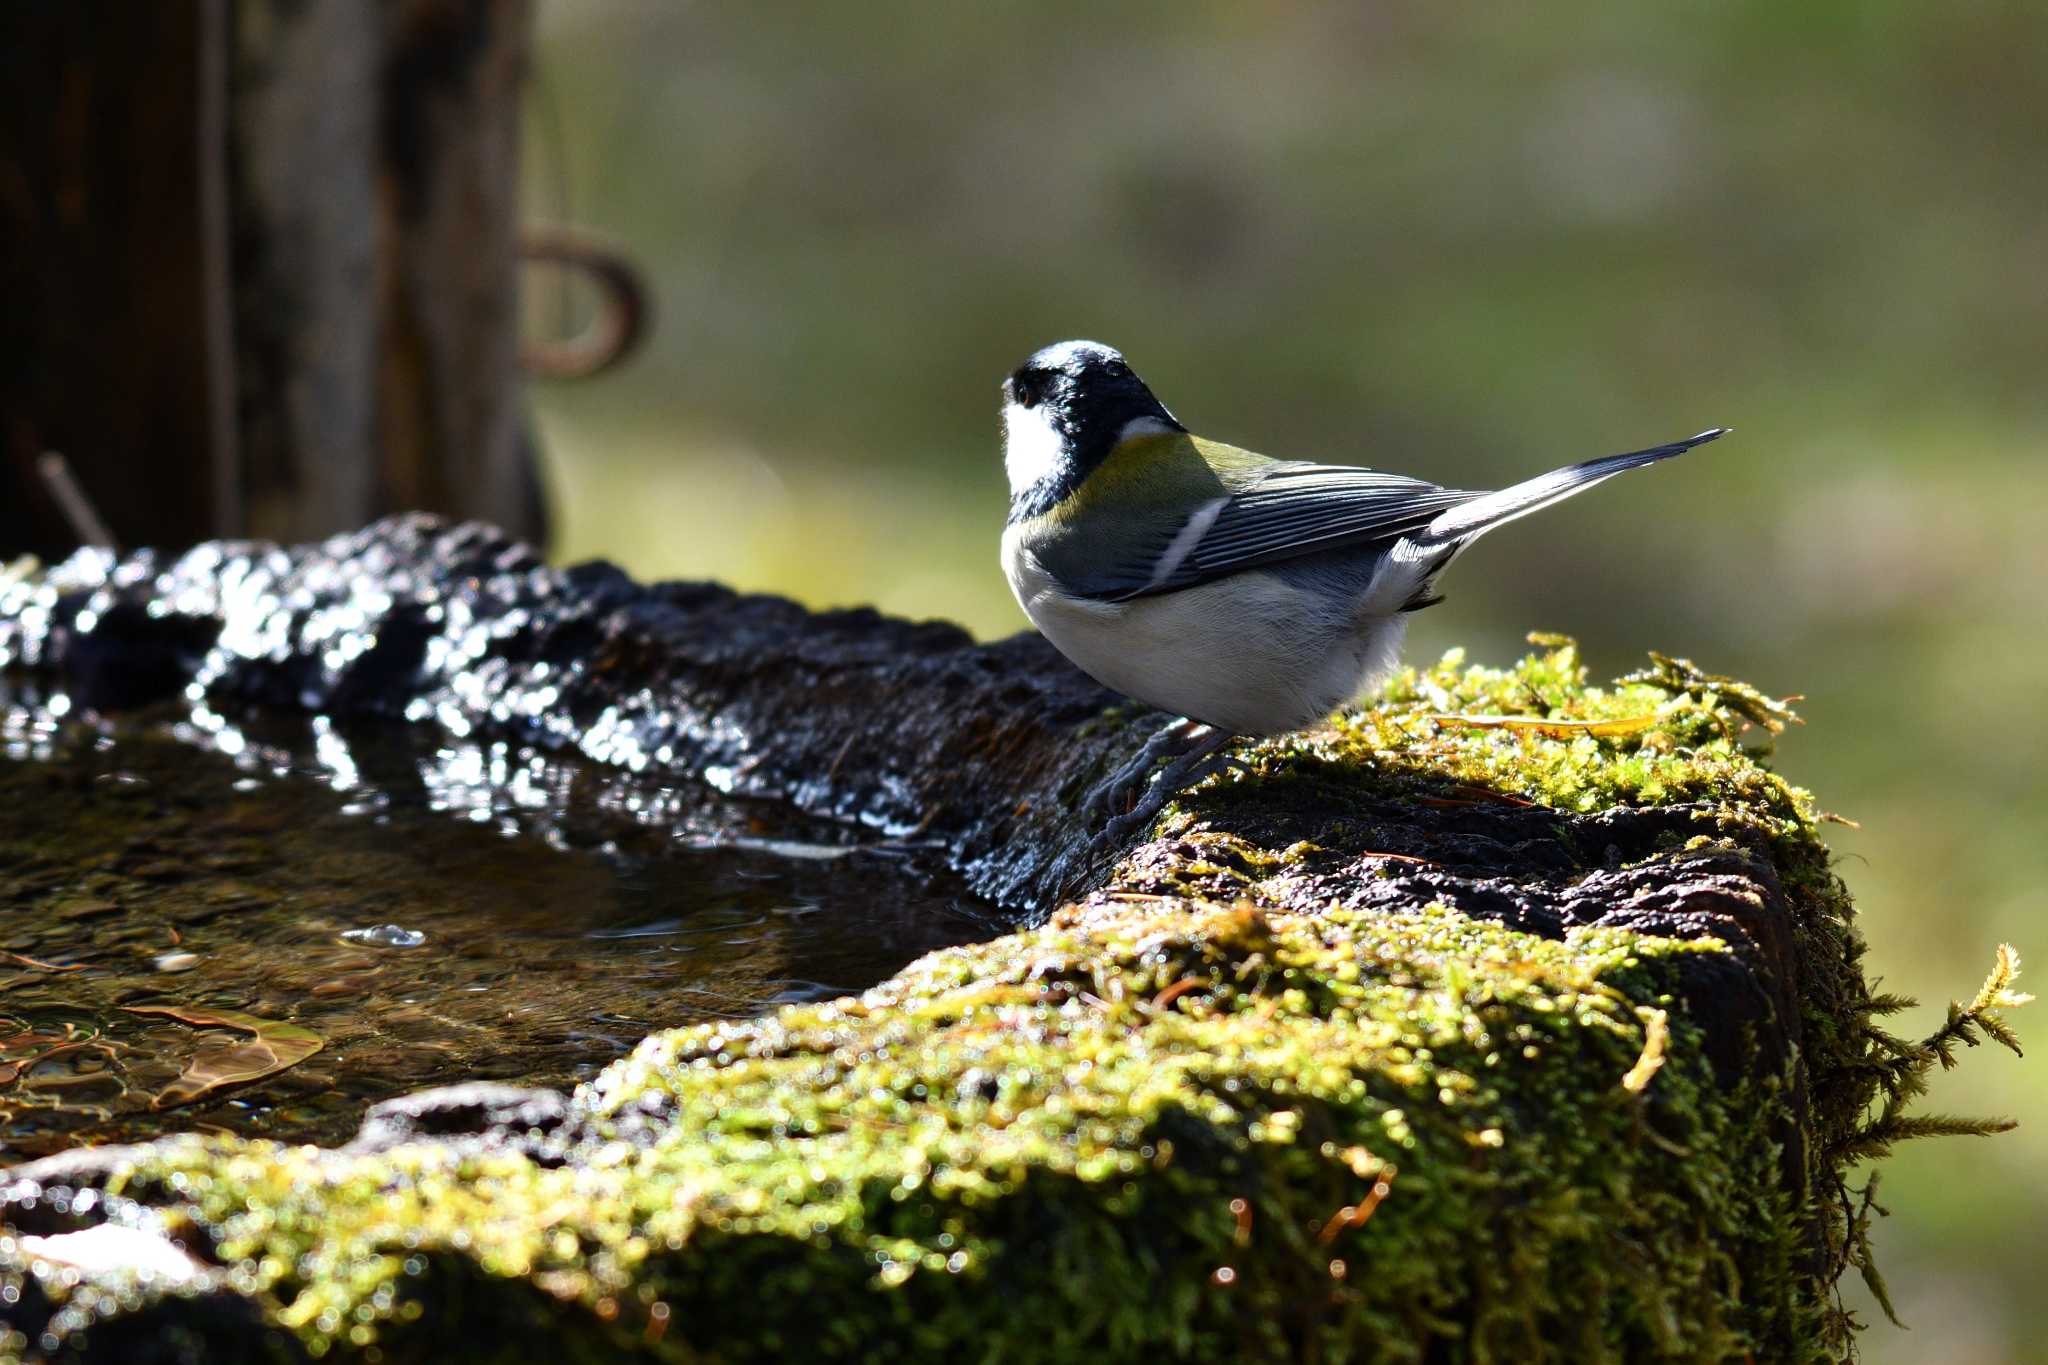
{"type": "Point", "coordinates": [1432, 1038]}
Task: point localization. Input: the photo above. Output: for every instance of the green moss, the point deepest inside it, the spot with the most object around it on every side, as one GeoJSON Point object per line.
{"type": "Point", "coordinates": [1188, 1126]}
{"type": "Point", "coordinates": [1668, 734]}
{"type": "Point", "coordinates": [1664, 736]}
{"type": "Point", "coordinates": [1139, 1126]}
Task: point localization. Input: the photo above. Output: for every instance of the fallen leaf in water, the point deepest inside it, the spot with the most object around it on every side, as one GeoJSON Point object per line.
{"type": "Point", "coordinates": [41, 965]}
{"type": "Point", "coordinates": [18, 1053]}
{"type": "Point", "coordinates": [273, 1046]}
{"type": "Point", "coordinates": [21, 1050]}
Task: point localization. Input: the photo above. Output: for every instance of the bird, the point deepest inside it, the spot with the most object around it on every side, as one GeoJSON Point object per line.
{"type": "Point", "coordinates": [1248, 596]}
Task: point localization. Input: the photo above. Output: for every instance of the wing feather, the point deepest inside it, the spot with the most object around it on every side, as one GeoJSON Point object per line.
{"type": "Point", "coordinates": [1275, 511]}
{"type": "Point", "coordinates": [1292, 508]}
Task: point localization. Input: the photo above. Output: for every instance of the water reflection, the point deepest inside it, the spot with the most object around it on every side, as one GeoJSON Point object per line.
{"type": "Point", "coordinates": [260, 924]}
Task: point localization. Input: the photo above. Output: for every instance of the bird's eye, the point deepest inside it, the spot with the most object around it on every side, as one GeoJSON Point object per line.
{"type": "Point", "coordinates": [1027, 387]}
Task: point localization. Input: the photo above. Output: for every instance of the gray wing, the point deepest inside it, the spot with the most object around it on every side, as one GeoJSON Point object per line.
{"type": "Point", "coordinates": [1295, 508]}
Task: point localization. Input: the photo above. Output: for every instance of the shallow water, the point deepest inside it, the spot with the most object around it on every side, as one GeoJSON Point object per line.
{"type": "Point", "coordinates": [263, 924]}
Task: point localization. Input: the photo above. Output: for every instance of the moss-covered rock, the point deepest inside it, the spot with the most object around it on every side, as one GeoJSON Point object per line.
{"type": "Point", "coordinates": [1281, 1090]}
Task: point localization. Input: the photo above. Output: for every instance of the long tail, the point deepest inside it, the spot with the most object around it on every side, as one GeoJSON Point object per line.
{"type": "Point", "coordinates": [1471, 519]}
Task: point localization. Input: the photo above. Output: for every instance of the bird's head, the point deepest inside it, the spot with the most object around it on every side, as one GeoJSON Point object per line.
{"type": "Point", "coordinates": [1064, 410]}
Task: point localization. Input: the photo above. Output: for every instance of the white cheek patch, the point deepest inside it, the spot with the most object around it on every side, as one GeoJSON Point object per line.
{"type": "Point", "coordinates": [1032, 449]}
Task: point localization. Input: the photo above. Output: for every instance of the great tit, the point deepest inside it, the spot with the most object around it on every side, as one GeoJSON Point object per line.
{"type": "Point", "coordinates": [1249, 595]}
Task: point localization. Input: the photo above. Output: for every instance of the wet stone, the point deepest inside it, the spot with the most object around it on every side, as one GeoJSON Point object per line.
{"type": "Point", "coordinates": [84, 907]}
{"type": "Point", "coordinates": [1584, 984]}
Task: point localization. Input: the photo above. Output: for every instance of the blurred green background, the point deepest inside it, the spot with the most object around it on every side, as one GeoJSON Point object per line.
{"type": "Point", "coordinates": [1465, 244]}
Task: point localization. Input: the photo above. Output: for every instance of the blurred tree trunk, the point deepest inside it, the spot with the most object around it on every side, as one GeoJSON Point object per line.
{"type": "Point", "coordinates": [260, 265]}
{"type": "Point", "coordinates": [304, 89]}
{"type": "Point", "coordinates": [112, 347]}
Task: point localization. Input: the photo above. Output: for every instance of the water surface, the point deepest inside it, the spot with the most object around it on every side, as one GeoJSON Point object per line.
{"type": "Point", "coordinates": [261, 924]}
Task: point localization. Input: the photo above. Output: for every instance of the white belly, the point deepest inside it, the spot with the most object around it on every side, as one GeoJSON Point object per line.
{"type": "Point", "coordinates": [1251, 654]}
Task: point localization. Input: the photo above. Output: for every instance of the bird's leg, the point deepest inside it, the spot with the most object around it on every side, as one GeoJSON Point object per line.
{"type": "Point", "coordinates": [1198, 755]}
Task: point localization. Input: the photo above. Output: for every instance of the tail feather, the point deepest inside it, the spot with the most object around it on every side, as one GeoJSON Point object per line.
{"type": "Point", "coordinates": [1472, 519]}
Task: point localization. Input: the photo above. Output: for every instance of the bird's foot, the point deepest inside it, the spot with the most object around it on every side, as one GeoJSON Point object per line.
{"type": "Point", "coordinates": [1133, 801]}
{"type": "Point", "coordinates": [1123, 790]}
